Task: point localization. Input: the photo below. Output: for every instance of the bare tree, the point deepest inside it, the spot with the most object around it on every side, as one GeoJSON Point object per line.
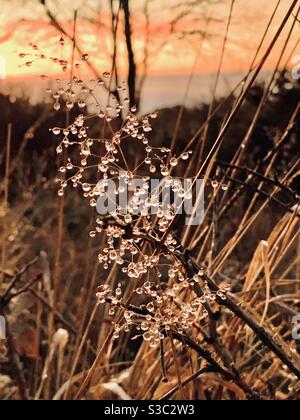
{"type": "Point", "coordinates": [131, 57]}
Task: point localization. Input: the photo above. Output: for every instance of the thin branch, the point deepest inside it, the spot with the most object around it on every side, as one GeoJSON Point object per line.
{"type": "Point", "coordinates": [264, 178]}
{"type": "Point", "coordinates": [18, 276]}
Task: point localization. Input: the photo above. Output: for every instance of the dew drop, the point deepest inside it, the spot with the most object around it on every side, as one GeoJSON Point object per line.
{"type": "Point", "coordinates": [173, 162]}
{"type": "Point", "coordinates": [56, 131]}
{"type": "Point", "coordinates": [113, 255]}
{"type": "Point", "coordinates": [165, 171]}
{"type": "Point", "coordinates": [107, 75]}
{"type": "Point", "coordinates": [147, 336]}
{"type": "Point", "coordinates": [185, 156]}
{"type": "Point", "coordinates": [86, 187]}
{"type": "Point", "coordinates": [56, 106]}
{"type": "Point", "coordinates": [69, 105]}
{"type": "Point", "coordinates": [93, 203]}
{"type": "Point", "coordinates": [81, 104]}
{"type": "Point", "coordinates": [150, 307]}
{"type": "Point", "coordinates": [128, 218]}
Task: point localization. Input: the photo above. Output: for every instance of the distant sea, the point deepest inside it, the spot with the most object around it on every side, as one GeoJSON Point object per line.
{"type": "Point", "coordinates": [169, 91]}
{"type": "Point", "coordinates": [159, 91]}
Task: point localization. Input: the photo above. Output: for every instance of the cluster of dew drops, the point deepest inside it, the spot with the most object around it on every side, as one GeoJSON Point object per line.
{"type": "Point", "coordinates": [171, 302]}
{"type": "Point", "coordinates": [166, 307]}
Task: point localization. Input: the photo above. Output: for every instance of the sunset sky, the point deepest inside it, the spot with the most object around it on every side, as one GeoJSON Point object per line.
{"type": "Point", "coordinates": [23, 22]}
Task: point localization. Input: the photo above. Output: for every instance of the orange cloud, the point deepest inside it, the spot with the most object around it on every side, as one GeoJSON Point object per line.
{"type": "Point", "coordinates": [167, 53]}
